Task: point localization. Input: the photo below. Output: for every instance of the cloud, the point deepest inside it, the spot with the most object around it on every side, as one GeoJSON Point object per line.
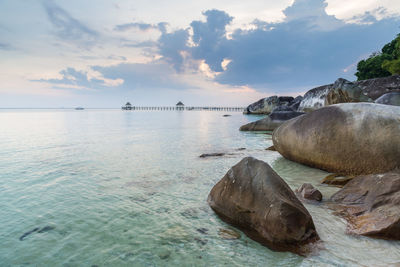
{"type": "Point", "coordinates": [308, 48]}
{"type": "Point", "coordinates": [143, 44]}
{"type": "Point", "coordinates": [172, 46]}
{"type": "Point", "coordinates": [135, 25]}
{"type": "Point", "coordinates": [210, 38]}
{"type": "Point", "coordinates": [5, 46]}
{"type": "Point", "coordinates": [68, 28]}
{"type": "Point", "coordinates": [139, 76]}
{"type": "Point", "coordinates": [123, 76]}
{"type": "Point", "coordinates": [79, 79]}
{"type": "Point", "coordinates": [311, 15]}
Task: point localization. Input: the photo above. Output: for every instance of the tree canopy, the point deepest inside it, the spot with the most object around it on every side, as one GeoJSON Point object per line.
{"type": "Point", "coordinates": [381, 64]}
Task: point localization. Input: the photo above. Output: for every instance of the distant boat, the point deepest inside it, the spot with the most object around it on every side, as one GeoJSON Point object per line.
{"type": "Point", "coordinates": [79, 108]}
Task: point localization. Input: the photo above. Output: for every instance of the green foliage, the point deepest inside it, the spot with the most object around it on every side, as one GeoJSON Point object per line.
{"type": "Point", "coordinates": [381, 64]}
{"type": "Point", "coordinates": [393, 66]}
{"type": "Point", "coordinates": [372, 67]}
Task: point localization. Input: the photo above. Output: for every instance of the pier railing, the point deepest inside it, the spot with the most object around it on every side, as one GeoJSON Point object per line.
{"type": "Point", "coordinates": [237, 109]}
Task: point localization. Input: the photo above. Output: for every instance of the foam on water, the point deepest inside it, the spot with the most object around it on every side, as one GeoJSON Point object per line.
{"type": "Point", "coordinates": [113, 188]}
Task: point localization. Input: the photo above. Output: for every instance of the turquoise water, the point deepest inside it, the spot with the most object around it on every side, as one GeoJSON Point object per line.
{"type": "Point", "coordinates": [129, 189]}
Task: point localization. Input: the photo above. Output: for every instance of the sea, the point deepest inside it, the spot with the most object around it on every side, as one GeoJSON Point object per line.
{"type": "Point", "coordinates": [106, 187]}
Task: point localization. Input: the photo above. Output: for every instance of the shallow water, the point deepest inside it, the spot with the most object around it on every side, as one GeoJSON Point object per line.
{"type": "Point", "coordinates": [129, 189]}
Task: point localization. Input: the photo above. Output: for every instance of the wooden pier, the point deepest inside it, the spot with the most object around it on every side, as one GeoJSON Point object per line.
{"type": "Point", "coordinates": [178, 108]}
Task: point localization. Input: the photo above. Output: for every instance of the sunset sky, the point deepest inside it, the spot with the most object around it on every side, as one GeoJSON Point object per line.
{"type": "Point", "coordinates": [102, 53]}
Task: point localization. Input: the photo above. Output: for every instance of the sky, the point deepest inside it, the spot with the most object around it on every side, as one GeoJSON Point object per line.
{"type": "Point", "coordinates": [103, 53]}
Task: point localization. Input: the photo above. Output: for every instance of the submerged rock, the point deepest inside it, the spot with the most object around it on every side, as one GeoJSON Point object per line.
{"type": "Point", "coordinates": [202, 230]}
{"type": "Point", "coordinates": [307, 191]}
{"type": "Point", "coordinates": [46, 229]}
{"type": "Point", "coordinates": [228, 234]}
{"type": "Point", "coordinates": [266, 105]}
{"type": "Point", "coordinates": [212, 155]}
{"type": "Point", "coordinates": [336, 180]}
{"type": "Point", "coordinates": [389, 99]}
{"type": "Point", "coordinates": [252, 196]}
{"type": "Point", "coordinates": [28, 233]}
{"type": "Point", "coordinates": [371, 205]}
{"type": "Point", "coordinates": [351, 138]}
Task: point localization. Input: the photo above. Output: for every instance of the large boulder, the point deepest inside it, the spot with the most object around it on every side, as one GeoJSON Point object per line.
{"type": "Point", "coordinates": [344, 91]}
{"type": "Point", "coordinates": [278, 116]}
{"type": "Point", "coordinates": [371, 205]}
{"type": "Point", "coordinates": [374, 88]}
{"type": "Point", "coordinates": [253, 197]}
{"type": "Point", "coordinates": [389, 99]}
{"type": "Point", "coordinates": [341, 91]}
{"type": "Point", "coordinates": [350, 138]}
{"type": "Point", "coordinates": [266, 105]}
{"type": "Point", "coordinates": [296, 103]}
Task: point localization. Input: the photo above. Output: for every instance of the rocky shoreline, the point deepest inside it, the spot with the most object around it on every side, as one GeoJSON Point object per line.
{"type": "Point", "coordinates": [279, 109]}
{"type": "Point", "coordinates": [337, 128]}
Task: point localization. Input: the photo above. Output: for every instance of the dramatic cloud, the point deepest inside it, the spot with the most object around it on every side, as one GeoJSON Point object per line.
{"type": "Point", "coordinates": [210, 38]}
{"type": "Point", "coordinates": [309, 47]}
{"type": "Point", "coordinates": [68, 28]}
{"type": "Point", "coordinates": [172, 47]}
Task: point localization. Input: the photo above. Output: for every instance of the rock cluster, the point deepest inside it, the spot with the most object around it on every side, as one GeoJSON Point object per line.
{"type": "Point", "coordinates": [343, 91]}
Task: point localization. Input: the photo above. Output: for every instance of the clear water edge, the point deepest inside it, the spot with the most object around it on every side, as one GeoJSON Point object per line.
{"type": "Point", "coordinates": [128, 189]}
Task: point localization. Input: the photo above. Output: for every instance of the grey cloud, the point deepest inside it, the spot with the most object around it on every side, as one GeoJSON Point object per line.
{"type": "Point", "coordinates": [141, 26]}
{"type": "Point", "coordinates": [171, 45]}
{"type": "Point", "coordinates": [309, 48]}
{"type": "Point", "coordinates": [73, 77]}
{"type": "Point", "coordinates": [135, 25]}
{"type": "Point", "coordinates": [68, 28]}
{"type": "Point", "coordinates": [5, 46]}
{"type": "Point", "coordinates": [136, 76]}
{"type": "Point", "coordinates": [210, 38]}
{"type": "Point", "coordinates": [155, 76]}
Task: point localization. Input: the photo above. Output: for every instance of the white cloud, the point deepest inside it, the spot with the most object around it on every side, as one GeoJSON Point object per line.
{"type": "Point", "coordinates": [347, 10]}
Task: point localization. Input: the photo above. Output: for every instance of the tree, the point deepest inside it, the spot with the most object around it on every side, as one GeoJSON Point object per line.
{"type": "Point", "coordinates": [381, 64]}
{"type": "Point", "coordinates": [372, 67]}
{"type": "Point", "coordinates": [393, 65]}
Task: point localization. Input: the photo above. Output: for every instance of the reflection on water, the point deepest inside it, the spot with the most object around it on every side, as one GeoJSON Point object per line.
{"type": "Point", "coordinates": [113, 188]}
